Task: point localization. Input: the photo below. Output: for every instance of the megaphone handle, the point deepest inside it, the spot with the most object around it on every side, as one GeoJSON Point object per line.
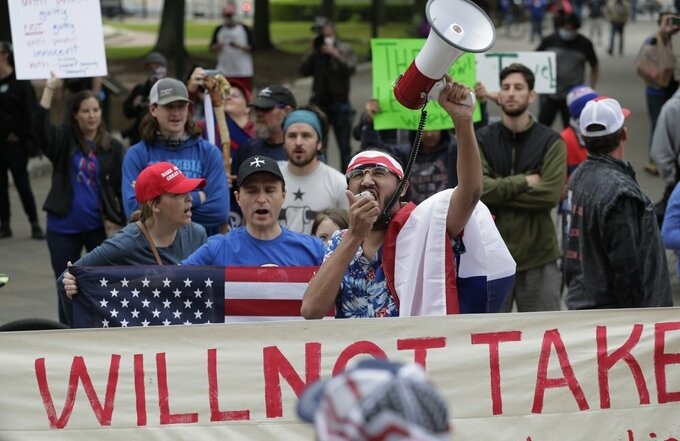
{"type": "Point", "coordinates": [436, 90]}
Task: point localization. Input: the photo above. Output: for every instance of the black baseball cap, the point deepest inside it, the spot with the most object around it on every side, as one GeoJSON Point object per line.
{"type": "Point", "coordinates": [274, 95]}
{"type": "Point", "coordinates": [256, 164]}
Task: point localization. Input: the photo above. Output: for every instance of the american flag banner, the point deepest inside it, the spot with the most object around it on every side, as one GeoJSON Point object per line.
{"type": "Point", "coordinates": [265, 293]}
{"type": "Point", "coordinates": [153, 295]}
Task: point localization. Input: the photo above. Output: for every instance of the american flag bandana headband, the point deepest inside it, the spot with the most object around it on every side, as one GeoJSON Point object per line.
{"type": "Point", "coordinates": [374, 157]}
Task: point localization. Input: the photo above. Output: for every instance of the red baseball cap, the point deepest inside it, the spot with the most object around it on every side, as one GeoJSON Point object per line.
{"type": "Point", "coordinates": [161, 178]}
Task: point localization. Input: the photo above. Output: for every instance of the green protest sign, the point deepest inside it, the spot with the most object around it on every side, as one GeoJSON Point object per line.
{"type": "Point", "coordinates": [391, 57]}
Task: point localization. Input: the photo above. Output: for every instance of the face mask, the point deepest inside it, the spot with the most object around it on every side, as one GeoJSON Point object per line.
{"type": "Point", "coordinates": [158, 73]}
{"type": "Point", "coordinates": [566, 35]}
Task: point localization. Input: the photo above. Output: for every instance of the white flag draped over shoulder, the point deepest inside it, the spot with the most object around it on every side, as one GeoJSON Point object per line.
{"type": "Point", "coordinates": [424, 267]}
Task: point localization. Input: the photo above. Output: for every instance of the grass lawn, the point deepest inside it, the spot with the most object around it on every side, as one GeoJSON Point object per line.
{"type": "Point", "coordinates": [294, 37]}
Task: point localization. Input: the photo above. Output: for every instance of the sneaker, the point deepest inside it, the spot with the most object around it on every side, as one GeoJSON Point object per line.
{"type": "Point", "coordinates": [37, 232]}
{"type": "Point", "coordinates": [650, 168]}
{"type": "Point", "coordinates": [5, 232]}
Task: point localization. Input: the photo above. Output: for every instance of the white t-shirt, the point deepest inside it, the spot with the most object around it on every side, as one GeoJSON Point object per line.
{"type": "Point", "coordinates": [231, 61]}
{"type": "Point", "coordinates": [307, 195]}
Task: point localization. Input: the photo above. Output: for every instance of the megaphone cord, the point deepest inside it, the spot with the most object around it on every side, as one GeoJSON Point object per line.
{"type": "Point", "coordinates": [385, 218]}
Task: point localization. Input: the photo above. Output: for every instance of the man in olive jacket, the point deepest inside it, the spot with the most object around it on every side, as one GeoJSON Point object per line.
{"type": "Point", "coordinates": [524, 165]}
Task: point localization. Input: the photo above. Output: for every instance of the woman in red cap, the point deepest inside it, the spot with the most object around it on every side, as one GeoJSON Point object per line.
{"type": "Point", "coordinates": [161, 231]}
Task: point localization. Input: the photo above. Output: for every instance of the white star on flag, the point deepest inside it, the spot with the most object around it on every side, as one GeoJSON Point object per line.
{"type": "Point", "coordinates": [104, 282]}
{"type": "Point", "coordinates": [187, 282]}
{"type": "Point", "coordinates": [124, 283]}
{"type": "Point", "coordinates": [166, 282]}
{"type": "Point", "coordinates": [145, 282]}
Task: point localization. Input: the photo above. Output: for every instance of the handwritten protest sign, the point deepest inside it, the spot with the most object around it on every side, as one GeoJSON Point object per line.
{"type": "Point", "coordinates": [60, 36]}
{"type": "Point", "coordinates": [589, 375]}
{"type": "Point", "coordinates": [490, 64]}
{"type": "Point", "coordinates": [390, 58]}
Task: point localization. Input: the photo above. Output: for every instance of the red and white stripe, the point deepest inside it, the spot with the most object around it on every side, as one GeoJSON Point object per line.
{"type": "Point", "coordinates": [374, 157]}
{"type": "Point", "coordinates": [265, 293]}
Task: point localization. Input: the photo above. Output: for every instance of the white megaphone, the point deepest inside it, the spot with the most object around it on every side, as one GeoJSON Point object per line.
{"type": "Point", "coordinates": [457, 26]}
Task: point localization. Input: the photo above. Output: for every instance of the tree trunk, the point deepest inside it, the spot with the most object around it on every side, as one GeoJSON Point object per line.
{"type": "Point", "coordinates": [171, 34]}
{"type": "Point", "coordinates": [261, 25]}
{"type": "Point", "coordinates": [328, 9]}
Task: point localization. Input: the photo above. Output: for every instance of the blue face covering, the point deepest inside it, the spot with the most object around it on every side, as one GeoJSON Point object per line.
{"type": "Point", "coordinates": [303, 116]}
{"type": "Point", "coordinates": [566, 34]}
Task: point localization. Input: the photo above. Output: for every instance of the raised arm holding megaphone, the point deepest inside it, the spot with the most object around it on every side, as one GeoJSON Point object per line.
{"type": "Point", "coordinates": [457, 26]}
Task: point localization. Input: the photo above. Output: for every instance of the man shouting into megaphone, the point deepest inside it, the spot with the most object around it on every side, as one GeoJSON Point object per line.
{"type": "Point", "coordinates": [399, 260]}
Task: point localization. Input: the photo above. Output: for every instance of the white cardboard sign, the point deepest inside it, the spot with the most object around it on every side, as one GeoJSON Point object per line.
{"type": "Point", "coordinates": [60, 36]}
{"type": "Point", "coordinates": [543, 64]}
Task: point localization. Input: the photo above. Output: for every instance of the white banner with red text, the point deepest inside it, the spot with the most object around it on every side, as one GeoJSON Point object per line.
{"type": "Point", "coordinates": [601, 375]}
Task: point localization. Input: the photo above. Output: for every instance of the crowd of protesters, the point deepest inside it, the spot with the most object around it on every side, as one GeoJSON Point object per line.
{"type": "Point", "coordinates": [272, 199]}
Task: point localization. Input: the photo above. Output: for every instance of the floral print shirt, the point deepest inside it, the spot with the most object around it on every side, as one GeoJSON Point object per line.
{"type": "Point", "coordinates": [363, 290]}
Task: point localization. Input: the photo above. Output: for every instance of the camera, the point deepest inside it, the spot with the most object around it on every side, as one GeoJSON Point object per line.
{"type": "Point", "coordinates": [675, 20]}
{"type": "Point", "coordinates": [318, 42]}
{"type": "Point", "coordinates": [211, 72]}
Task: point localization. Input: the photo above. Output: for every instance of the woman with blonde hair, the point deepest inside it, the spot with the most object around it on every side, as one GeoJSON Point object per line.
{"type": "Point", "coordinates": [161, 232]}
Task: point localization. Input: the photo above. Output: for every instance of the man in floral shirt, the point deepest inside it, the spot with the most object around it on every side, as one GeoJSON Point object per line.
{"type": "Point", "coordinates": [353, 276]}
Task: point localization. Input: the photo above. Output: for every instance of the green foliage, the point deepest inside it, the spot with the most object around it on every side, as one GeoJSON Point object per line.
{"type": "Point", "coordinates": [289, 36]}
{"type": "Point", "coordinates": [299, 10]}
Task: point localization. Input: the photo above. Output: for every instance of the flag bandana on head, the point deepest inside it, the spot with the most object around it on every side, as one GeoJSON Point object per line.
{"type": "Point", "coordinates": [124, 296]}
{"type": "Point", "coordinates": [373, 158]}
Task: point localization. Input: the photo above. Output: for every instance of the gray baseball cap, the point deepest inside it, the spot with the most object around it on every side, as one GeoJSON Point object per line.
{"type": "Point", "coordinates": [168, 90]}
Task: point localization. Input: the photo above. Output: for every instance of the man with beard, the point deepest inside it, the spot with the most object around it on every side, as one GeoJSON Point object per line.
{"type": "Point", "coordinates": [271, 106]}
{"type": "Point", "coordinates": [313, 186]}
{"type": "Point", "coordinates": [358, 273]}
{"type": "Point", "coordinates": [524, 165]}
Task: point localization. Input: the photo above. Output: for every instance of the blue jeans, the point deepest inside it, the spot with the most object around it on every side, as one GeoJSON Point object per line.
{"type": "Point", "coordinates": [68, 247]}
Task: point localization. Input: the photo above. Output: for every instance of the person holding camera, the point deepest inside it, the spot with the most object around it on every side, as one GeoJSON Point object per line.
{"type": "Point", "coordinates": [137, 103]}
{"type": "Point", "coordinates": [331, 63]}
{"type": "Point", "coordinates": [232, 41]}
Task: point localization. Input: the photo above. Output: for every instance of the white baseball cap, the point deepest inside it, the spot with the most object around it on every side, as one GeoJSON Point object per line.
{"type": "Point", "coordinates": [604, 112]}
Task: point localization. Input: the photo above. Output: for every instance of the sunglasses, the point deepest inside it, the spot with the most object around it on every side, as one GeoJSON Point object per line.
{"type": "Point", "coordinates": [378, 172]}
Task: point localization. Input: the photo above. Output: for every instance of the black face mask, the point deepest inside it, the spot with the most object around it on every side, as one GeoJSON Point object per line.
{"type": "Point", "coordinates": [170, 141]}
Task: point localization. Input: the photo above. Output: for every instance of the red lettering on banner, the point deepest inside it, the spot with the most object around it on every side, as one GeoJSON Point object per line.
{"type": "Point", "coordinates": [78, 372]}
{"type": "Point", "coordinates": [276, 363]}
{"type": "Point", "coordinates": [164, 397]}
{"type": "Point", "coordinates": [663, 359]}
{"type": "Point", "coordinates": [357, 348]}
{"type": "Point", "coordinates": [551, 338]}
{"type": "Point", "coordinates": [493, 339]}
{"type": "Point", "coordinates": [215, 413]}
{"type": "Point", "coordinates": [605, 362]}
{"type": "Point", "coordinates": [140, 389]}
{"type": "Point", "coordinates": [420, 347]}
